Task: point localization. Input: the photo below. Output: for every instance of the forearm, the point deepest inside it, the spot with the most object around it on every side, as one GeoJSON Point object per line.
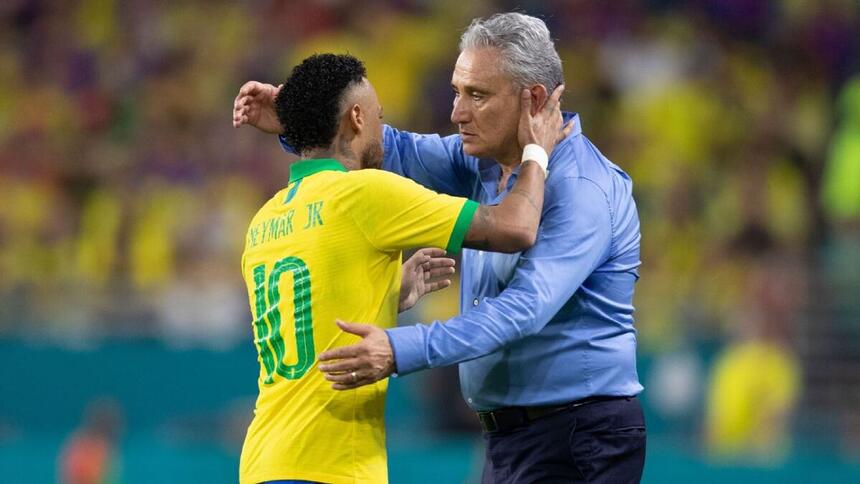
{"type": "Point", "coordinates": [478, 332]}
{"type": "Point", "coordinates": [512, 225]}
{"type": "Point", "coordinates": [522, 207]}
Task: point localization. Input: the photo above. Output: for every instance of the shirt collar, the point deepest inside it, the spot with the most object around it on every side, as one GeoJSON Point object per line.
{"type": "Point", "coordinates": [303, 168]}
{"type": "Point", "coordinates": [577, 126]}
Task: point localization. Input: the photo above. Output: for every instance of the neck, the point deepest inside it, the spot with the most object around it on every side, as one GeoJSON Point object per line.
{"type": "Point", "coordinates": [510, 160]}
{"type": "Point", "coordinates": [340, 150]}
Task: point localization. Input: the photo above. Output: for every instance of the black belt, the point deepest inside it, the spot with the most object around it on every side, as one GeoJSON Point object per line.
{"type": "Point", "coordinates": [511, 417]}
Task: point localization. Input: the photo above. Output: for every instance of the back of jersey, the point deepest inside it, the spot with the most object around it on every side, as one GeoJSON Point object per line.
{"type": "Point", "coordinates": [328, 247]}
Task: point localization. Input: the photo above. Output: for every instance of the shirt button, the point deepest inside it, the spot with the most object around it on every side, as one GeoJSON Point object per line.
{"type": "Point", "coordinates": [469, 400]}
{"type": "Point", "coordinates": [475, 302]}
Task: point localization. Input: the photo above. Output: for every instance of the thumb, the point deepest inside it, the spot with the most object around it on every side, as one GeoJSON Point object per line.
{"type": "Point", "coordinates": [354, 328]}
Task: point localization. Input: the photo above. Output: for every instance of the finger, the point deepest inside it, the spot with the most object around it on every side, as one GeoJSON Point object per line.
{"type": "Point", "coordinates": [435, 264]}
{"type": "Point", "coordinates": [237, 120]}
{"type": "Point", "coordinates": [553, 103]}
{"type": "Point", "coordinates": [343, 352]}
{"type": "Point", "coordinates": [433, 251]}
{"type": "Point", "coordinates": [242, 100]}
{"type": "Point", "coordinates": [344, 378]}
{"type": "Point", "coordinates": [556, 93]}
{"type": "Point", "coordinates": [435, 286]}
{"type": "Point", "coordinates": [237, 111]}
{"type": "Point", "coordinates": [440, 272]}
{"type": "Point", "coordinates": [418, 259]}
{"type": "Point", "coordinates": [568, 128]}
{"type": "Point", "coordinates": [351, 384]}
{"type": "Point", "coordinates": [354, 328]}
{"type": "Point", "coordinates": [250, 88]}
{"type": "Point", "coordinates": [442, 262]}
{"type": "Point", "coordinates": [340, 366]}
{"type": "Point", "coordinates": [422, 260]}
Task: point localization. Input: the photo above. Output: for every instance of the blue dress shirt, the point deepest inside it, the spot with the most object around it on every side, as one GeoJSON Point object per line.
{"type": "Point", "coordinates": [549, 325]}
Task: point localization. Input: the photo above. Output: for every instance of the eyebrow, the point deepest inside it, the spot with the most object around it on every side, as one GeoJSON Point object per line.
{"type": "Point", "coordinates": [473, 88]}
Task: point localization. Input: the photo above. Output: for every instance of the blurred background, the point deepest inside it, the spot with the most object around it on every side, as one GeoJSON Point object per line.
{"type": "Point", "coordinates": [125, 350]}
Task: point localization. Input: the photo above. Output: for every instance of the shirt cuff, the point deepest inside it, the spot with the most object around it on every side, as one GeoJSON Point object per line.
{"type": "Point", "coordinates": [407, 343]}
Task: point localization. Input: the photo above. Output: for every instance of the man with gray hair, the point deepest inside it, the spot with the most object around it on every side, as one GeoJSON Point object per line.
{"type": "Point", "coordinates": [545, 338]}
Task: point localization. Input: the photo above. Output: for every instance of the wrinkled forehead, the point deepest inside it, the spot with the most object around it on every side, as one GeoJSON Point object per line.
{"type": "Point", "coordinates": [481, 66]}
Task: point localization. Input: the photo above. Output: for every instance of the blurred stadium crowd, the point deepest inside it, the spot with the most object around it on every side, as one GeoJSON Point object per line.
{"type": "Point", "coordinates": [125, 192]}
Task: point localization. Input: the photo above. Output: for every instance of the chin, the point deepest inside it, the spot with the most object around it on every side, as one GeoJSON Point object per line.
{"type": "Point", "coordinates": [472, 149]}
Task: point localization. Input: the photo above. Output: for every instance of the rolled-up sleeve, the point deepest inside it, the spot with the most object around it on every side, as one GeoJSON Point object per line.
{"type": "Point", "coordinates": [573, 240]}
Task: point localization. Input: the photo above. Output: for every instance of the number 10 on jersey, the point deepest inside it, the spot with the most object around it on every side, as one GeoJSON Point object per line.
{"type": "Point", "coordinates": [267, 321]}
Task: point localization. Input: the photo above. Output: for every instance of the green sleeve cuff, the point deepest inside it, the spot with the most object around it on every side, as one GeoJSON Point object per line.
{"type": "Point", "coordinates": [464, 220]}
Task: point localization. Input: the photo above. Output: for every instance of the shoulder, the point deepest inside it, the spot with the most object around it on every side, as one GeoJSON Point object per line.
{"type": "Point", "coordinates": [575, 194]}
{"type": "Point", "coordinates": [577, 158]}
{"type": "Point", "coordinates": [382, 185]}
{"type": "Point", "coordinates": [371, 177]}
{"type": "Point", "coordinates": [579, 179]}
{"type": "Point", "coordinates": [271, 205]}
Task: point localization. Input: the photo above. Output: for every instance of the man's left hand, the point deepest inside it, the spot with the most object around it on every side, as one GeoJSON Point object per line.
{"type": "Point", "coordinates": [426, 271]}
{"type": "Point", "coordinates": [363, 363]}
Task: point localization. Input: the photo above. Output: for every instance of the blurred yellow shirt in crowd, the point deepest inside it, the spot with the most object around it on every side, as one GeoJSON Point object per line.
{"type": "Point", "coordinates": [329, 247]}
{"type": "Point", "coordinates": [752, 391]}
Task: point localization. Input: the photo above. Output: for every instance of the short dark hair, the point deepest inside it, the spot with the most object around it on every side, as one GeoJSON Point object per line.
{"type": "Point", "coordinates": [309, 103]}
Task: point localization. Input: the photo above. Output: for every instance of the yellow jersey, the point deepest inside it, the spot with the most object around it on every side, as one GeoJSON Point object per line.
{"type": "Point", "coordinates": [329, 247]}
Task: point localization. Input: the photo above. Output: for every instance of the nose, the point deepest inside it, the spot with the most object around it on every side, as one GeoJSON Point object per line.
{"type": "Point", "coordinates": [459, 112]}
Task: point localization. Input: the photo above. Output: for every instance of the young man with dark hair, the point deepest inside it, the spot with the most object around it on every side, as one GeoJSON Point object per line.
{"type": "Point", "coordinates": [329, 246]}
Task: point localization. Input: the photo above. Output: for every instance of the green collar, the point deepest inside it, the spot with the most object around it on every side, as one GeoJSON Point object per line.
{"type": "Point", "coordinates": [303, 168]}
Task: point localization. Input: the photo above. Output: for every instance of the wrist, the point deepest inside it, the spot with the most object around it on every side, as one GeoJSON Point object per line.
{"type": "Point", "coordinates": [536, 153]}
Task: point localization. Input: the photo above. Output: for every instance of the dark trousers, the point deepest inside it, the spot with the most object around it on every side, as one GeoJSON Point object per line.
{"type": "Point", "coordinates": [599, 442]}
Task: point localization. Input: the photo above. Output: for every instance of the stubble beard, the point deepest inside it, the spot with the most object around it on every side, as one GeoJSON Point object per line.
{"type": "Point", "coordinates": [371, 157]}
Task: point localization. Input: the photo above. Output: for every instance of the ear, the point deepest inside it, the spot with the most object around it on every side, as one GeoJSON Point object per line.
{"type": "Point", "coordinates": [356, 119]}
{"type": "Point", "coordinates": [539, 97]}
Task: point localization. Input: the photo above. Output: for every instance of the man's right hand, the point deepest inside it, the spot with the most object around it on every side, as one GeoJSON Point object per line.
{"type": "Point", "coordinates": [255, 105]}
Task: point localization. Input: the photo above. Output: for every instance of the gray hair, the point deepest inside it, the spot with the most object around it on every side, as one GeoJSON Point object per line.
{"type": "Point", "coordinates": [528, 53]}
